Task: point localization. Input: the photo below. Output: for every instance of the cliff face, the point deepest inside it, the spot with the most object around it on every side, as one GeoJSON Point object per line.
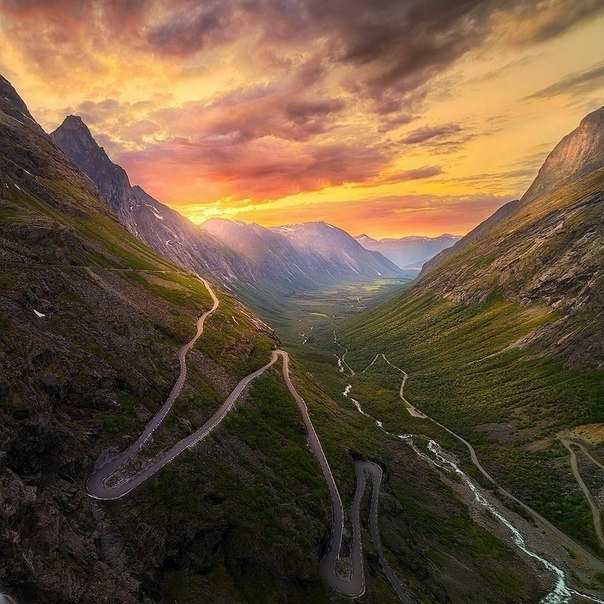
{"type": "Point", "coordinates": [577, 154]}
{"type": "Point", "coordinates": [547, 248]}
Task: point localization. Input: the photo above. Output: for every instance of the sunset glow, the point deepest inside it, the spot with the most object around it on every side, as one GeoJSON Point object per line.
{"type": "Point", "coordinates": [391, 118]}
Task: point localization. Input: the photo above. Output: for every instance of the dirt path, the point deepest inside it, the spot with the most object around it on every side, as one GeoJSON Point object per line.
{"type": "Point", "coordinates": [574, 464]}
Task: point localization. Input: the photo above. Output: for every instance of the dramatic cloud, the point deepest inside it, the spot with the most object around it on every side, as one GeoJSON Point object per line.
{"type": "Point", "coordinates": [190, 27]}
{"type": "Point", "coordinates": [261, 169]}
{"type": "Point", "coordinates": [415, 174]}
{"type": "Point", "coordinates": [264, 100]}
{"type": "Point", "coordinates": [429, 133]}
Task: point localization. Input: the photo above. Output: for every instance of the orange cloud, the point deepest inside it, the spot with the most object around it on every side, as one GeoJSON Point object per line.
{"type": "Point", "coordinates": [274, 110]}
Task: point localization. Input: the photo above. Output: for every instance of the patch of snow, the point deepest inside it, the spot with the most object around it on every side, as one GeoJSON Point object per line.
{"type": "Point", "coordinates": [39, 314]}
{"type": "Point", "coordinates": [155, 212]}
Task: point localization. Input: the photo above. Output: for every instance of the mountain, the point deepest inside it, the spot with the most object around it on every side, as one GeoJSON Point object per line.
{"type": "Point", "coordinates": [408, 252]}
{"type": "Point", "coordinates": [305, 255]}
{"type": "Point", "coordinates": [257, 264]}
{"type": "Point", "coordinates": [337, 248]}
{"type": "Point", "coordinates": [577, 154]}
{"type": "Point", "coordinates": [543, 248]}
{"type": "Point", "coordinates": [475, 234]}
{"type": "Point", "coordinates": [162, 228]}
{"type": "Point", "coordinates": [502, 336]}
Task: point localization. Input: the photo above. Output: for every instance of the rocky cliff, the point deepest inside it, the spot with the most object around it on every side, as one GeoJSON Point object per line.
{"type": "Point", "coordinates": [91, 321]}
{"type": "Point", "coordinates": [544, 249]}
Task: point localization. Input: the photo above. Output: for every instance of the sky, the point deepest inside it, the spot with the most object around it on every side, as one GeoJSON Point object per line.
{"type": "Point", "coordinates": [389, 117]}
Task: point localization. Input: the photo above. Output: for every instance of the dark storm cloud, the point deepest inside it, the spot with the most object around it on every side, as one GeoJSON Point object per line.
{"type": "Point", "coordinates": [302, 112]}
{"type": "Point", "coordinates": [190, 26]}
{"type": "Point", "coordinates": [396, 46]}
{"type": "Point", "coordinates": [574, 84]}
{"type": "Point", "coordinates": [245, 115]}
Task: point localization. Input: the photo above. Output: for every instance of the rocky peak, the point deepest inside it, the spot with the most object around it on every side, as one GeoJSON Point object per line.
{"type": "Point", "coordinates": [73, 135]}
{"type": "Point", "coordinates": [578, 153]}
{"type": "Point", "coordinates": [10, 99]}
{"type": "Point", "coordinates": [75, 140]}
{"type": "Point", "coordinates": [12, 105]}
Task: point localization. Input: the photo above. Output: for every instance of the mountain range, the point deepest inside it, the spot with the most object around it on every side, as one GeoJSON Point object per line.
{"type": "Point", "coordinates": [256, 263]}
{"type": "Point", "coordinates": [408, 252]}
{"type": "Point", "coordinates": [92, 322]}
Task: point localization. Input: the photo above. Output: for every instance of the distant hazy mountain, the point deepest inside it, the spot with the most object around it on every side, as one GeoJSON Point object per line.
{"type": "Point", "coordinates": [302, 255]}
{"type": "Point", "coordinates": [408, 252]}
{"type": "Point", "coordinates": [338, 249]}
{"type": "Point", "coordinates": [256, 263]}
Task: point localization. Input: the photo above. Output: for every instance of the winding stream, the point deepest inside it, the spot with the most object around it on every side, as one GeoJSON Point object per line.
{"type": "Point", "coordinates": [562, 593]}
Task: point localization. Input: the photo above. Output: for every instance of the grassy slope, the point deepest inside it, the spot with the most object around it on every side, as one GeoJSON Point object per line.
{"type": "Point", "coordinates": [509, 406]}
{"type": "Point", "coordinates": [117, 308]}
{"type": "Point", "coordinates": [465, 371]}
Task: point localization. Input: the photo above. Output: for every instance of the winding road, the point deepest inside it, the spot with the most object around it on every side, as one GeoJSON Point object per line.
{"type": "Point", "coordinates": [561, 591]}
{"type": "Point", "coordinates": [574, 464]}
{"type": "Point", "coordinates": [353, 585]}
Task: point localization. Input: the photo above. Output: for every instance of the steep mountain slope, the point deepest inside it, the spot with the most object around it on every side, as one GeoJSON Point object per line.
{"type": "Point", "coordinates": [257, 264]}
{"type": "Point", "coordinates": [476, 233]}
{"type": "Point", "coordinates": [503, 339]}
{"type": "Point", "coordinates": [408, 252]}
{"type": "Point", "coordinates": [578, 154]}
{"type": "Point", "coordinates": [92, 321]}
{"type": "Point", "coordinates": [160, 227]}
{"type": "Point", "coordinates": [546, 249]}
